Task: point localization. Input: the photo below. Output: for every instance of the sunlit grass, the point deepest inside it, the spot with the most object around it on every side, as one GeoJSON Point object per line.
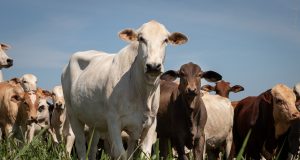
{"type": "Point", "coordinates": [43, 148]}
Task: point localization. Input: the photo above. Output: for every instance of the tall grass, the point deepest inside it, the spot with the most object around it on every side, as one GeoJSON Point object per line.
{"type": "Point", "coordinates": [43, 148]}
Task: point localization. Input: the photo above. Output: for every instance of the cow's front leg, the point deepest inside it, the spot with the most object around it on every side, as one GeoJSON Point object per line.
{"type": "Point", "coordinates": [199, 143]}
{"type": "Point", "coordinates": [115, 141]}
{"type": "Point", "coordinates": [149, 139]}
{"type": "Point", "coordinates": [134, 133]}
{"type": "Point", "coordinates": [178, 142]}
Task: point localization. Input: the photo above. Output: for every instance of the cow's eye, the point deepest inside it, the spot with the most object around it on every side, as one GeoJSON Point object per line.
{"type": "Point", "coordinates": [166, 40]}
{"type": "Point", "coordinates": [24, 81]}
{"type": "Point", "coordinates": [279, 101]}
{"type": "Point", "coordinates": [142, 40]}
{"type": "Point", "coordinates": [41, 108]}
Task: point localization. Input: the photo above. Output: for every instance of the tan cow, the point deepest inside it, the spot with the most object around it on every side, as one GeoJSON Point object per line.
{"type": "Point", "coordinates": [18, 109]}
{"type": "Point", "coordinates": [60, 125]}
{"type": "Point", "coordinates": [43, 114]}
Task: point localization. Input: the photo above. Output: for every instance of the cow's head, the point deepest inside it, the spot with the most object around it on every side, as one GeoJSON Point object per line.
{"type": "Point", "coordinates": [43, 105]}
{"type": "Point", "coordinates": [284, 108]}
{"type": "Point", "coordinates": [28, 82]}
{"type": "Point", "coordinates": [5, 61]}
{"type": "Point", "coordinates": [58, 99]}
{"type": "Point", "coordinates": [29, 107]}
{"type": "Point", "coordinates": [222, 88]}
{"type": "Point", "coordinates": [152, 39]}
{"type": "Point", "coordinates": [190, 75]}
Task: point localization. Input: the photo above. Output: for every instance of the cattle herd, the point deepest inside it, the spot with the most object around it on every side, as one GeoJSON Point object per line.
{"type": "Point", "coordinates": [127, 98]}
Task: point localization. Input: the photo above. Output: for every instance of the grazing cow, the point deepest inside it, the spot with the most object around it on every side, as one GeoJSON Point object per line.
{"type": "Point", "coordinates": [222, 88]}
{"type": "Point", "coordinates": [60, 125]}
{"type": "Point", "coordinates": [182, 109]}
{"type": "Point", "coordinates": [28, 82]}
{"type": "Point", "coordinates": [118, 92]}
{"type": "Point", "coordinates": [269, 116]}
{"type": "Point", "coordinates": [5, 61]}
{"type": "Point", "coordinates": [18, 110]}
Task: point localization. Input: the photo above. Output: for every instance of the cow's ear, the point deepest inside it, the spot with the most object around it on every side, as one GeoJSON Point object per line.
{"type": "Point", "coordinates": [169, 75]}
{"type": "Point", "coordinates": [208, 88]}
{"type": "Point", "coordinates": [14, 81]}
{"type": "Point", "coordinates": [298, 105]}
{"type": "Point", "coordinates": [47, 93]}
{"type": "Point", "coordinates": [177, 38]}
{"type": "Point", "coordinates": [128, 35]}
{"type": "Point", "coordinates": [4, 46]}
{"type": "Point", "coordinates": [236, 88]}
{"type": "Point", "coordinates": [211, 76]}
{"type": "Point", "coordinates": [267, 96]}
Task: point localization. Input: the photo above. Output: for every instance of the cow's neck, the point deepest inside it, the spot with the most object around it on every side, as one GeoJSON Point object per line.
{"type": "Point", "coordinates": [1, 76]}
{"type": "Point", "coordinates": [193, 113]}
{"type": "Point", "coordinates": [147, 92]}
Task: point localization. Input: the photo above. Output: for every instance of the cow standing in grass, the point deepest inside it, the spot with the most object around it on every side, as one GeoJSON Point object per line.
{"type": "Point", "coordinates": [182, 115]}
{"type": "Point", "coordinates": [218, 128]}
{"type": "Point", "coordinates": [269, 116]}
{"type": "Point", "coordinates": [118, 92]}
{"type": "Point", "coordinates": [18, 110]}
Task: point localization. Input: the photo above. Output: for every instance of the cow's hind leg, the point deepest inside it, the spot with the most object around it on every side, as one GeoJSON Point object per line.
{"type": "Point", "coordinates": [78, 129]}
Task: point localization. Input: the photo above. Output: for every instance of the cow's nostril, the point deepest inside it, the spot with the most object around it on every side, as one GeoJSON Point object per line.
{"type": "Point", "coordinates": [158, 67]}
{"type": "Point", "coordinates": [192, 90]}
{"type": "Point", "coordinates": [9, 61]}
{"type": "Point", "coordinates": [153, 67]}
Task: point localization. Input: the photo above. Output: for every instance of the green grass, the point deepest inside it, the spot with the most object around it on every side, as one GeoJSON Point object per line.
{"type": "Point", "coordinates": [43, 148]}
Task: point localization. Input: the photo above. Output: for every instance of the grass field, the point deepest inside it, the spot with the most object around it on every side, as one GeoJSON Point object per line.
{"type": "Point", "coordinates": [43, 148]}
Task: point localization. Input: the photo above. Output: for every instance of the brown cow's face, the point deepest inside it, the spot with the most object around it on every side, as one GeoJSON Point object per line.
{"type": "Point", "coordinates": [223, 88]}
{"type": "Point", "coordinates": [284, 108]}
{"type": "Point", "coordinates": [30, 106]}
{"type": "Point", "coordinates": [190, 79]}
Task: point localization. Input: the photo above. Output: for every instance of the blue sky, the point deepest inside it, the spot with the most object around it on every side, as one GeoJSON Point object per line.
{"type": "Point", "coordinates": [252, 43]}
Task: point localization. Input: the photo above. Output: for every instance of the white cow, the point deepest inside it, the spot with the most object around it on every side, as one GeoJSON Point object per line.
{"type": "Point", "coordinates": [116, 92]}
{"type": "Point", "coordinates": [60, 125]}
{"type": "Point", "coordinates": [29, 82]}
{"type": "Point", "coordinates": [218, 128]}
{"type": "Point", "coordinates": [5, 61]}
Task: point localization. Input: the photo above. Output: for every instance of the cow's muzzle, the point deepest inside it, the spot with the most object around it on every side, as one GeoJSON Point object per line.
{"type": "Point", "coordinates": [153, 69]}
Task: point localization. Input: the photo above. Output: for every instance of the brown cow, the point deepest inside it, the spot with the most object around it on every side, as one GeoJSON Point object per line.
{"type": "Point", "coordinates": [182, 115]}
{"type": "Point", "coordinates": [18, 109]}
{"type": "Point", "coordinates": [269, 116]}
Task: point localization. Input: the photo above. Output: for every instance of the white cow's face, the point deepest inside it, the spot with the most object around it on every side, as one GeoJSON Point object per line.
{"type": "Point", "coordinates": [28, 82]}
{"type": "Point", "coordinates": [152, 38]}
{"type": "Point", "coordinates": [5, 61]}
{"type": "Point", "coordinates": [58, 98]}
